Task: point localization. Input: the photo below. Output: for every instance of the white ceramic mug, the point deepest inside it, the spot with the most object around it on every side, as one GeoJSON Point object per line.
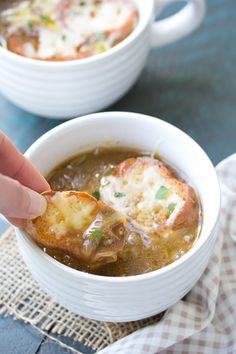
{"type": "Point", "coordinates": [120, 299]}
{"type": "Point", "coordinates": [71, 88]}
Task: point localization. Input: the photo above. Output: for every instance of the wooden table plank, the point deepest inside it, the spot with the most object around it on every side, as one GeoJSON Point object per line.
{"type": "Point", "coordinates": [50, 347]}
{"type": "Point", "coordinates": [16, 337]}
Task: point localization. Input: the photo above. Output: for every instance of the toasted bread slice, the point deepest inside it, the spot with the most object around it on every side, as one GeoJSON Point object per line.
{"type": "Point", "coordinates": [150, 194]}
{"type": "Point", "coordinates": [78, 224]}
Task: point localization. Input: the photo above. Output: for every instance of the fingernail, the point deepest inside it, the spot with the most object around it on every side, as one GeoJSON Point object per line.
{"type": "Point", "coordinates": [38, 204]}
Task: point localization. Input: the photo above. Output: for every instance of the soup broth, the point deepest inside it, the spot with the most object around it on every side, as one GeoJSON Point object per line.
{"type": "Point", "coordinates": [143, 251]}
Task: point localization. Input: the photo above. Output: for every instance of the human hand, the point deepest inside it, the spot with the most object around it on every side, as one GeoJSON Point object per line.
{"type": "Point", "coordinates": [20, 185]}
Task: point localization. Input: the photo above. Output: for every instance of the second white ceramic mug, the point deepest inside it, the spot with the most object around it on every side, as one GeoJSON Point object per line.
{"type": "Point", "coordinates": [71, 88]}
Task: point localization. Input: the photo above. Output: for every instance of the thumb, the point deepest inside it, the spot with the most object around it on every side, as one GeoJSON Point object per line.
{"type": "Point", "coordinates": [18, 201]}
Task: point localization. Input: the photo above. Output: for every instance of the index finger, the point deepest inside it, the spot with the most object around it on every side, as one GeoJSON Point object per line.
{"type": "Point", "coordinates": [13, 164]}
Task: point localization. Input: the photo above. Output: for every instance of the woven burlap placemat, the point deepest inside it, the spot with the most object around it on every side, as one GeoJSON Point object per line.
{"type": "Point", "coordinates": [21, 297]}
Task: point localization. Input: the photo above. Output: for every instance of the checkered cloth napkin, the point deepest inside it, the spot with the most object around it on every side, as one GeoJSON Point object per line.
{"type": "Point", "coordinates": [205, 321]}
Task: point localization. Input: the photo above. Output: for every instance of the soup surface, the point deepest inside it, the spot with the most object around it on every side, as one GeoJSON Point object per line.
{"type": "Point", "coordinates": [162, 210]}
{"type": "Point", "coordinates": [66, 29]}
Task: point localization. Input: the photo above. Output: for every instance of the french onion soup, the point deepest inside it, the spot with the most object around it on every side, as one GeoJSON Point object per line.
{"type": "Point", "coordinates": [117, 212]}
{"type": "Point", "coordinates": [66, 29]}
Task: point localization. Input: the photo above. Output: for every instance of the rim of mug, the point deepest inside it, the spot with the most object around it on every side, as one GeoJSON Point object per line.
{"type": "Point", "coordinates": [139, 277]}
{"type": "Point", "coordinates": [142, 23]}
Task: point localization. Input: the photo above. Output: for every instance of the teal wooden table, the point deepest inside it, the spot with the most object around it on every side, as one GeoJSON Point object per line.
{"type": "Point", "coordinates": [191, 84]}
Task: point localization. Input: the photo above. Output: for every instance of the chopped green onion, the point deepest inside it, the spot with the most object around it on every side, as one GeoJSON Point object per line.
{"type": "Point", "coordinates": [162, 192]}
{"type": "Point", "coordinates": [119, 194]}
{"type": "Point", "coordinates": [96, 233]}
{"type": "Point", "coordinates": [96, 194]}
{"type": "Point", "coordinates": [171, 207]}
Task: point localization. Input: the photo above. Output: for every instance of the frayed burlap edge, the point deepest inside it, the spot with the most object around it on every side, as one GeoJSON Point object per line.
{"type": "Point", "coordinates": [21, 297]}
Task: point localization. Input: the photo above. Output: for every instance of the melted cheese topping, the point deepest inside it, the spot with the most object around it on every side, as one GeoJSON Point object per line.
{"type": "Point", "coordinates": [65, 213]}
{"type": "Point", "coordinates": [63, 26]}
{"type": "Point", "coordinates": [76, 213]}
{"type": "Point", "coordinates": [135, 195]}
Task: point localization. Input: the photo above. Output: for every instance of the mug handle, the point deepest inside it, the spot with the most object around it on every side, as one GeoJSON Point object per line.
{"type": "Point", "coordinates": [179, 25]}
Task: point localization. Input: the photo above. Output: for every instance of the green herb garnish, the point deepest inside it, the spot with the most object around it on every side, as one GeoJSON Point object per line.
{"type": "Point", "coordinates": [96, 233]}
{"type": "Point", "coordinates": [119, 194]}
{"type": "Point", "coordinates": [96, 194]}
{"type": "Point", "coordinates": [162, 192]}
{"type": "Point", "coordinates": [30, 25]}
{"type": "Point", "coordinates": [99, 47]}
{"type": "Point", "coordinates": [63, 37]}
{"type": "Point", "coordinates": [48, 22]}
{"type": "Point", "coordinates": [171, 207]}
{"type": "Point", "coordinates": [45, 18]}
